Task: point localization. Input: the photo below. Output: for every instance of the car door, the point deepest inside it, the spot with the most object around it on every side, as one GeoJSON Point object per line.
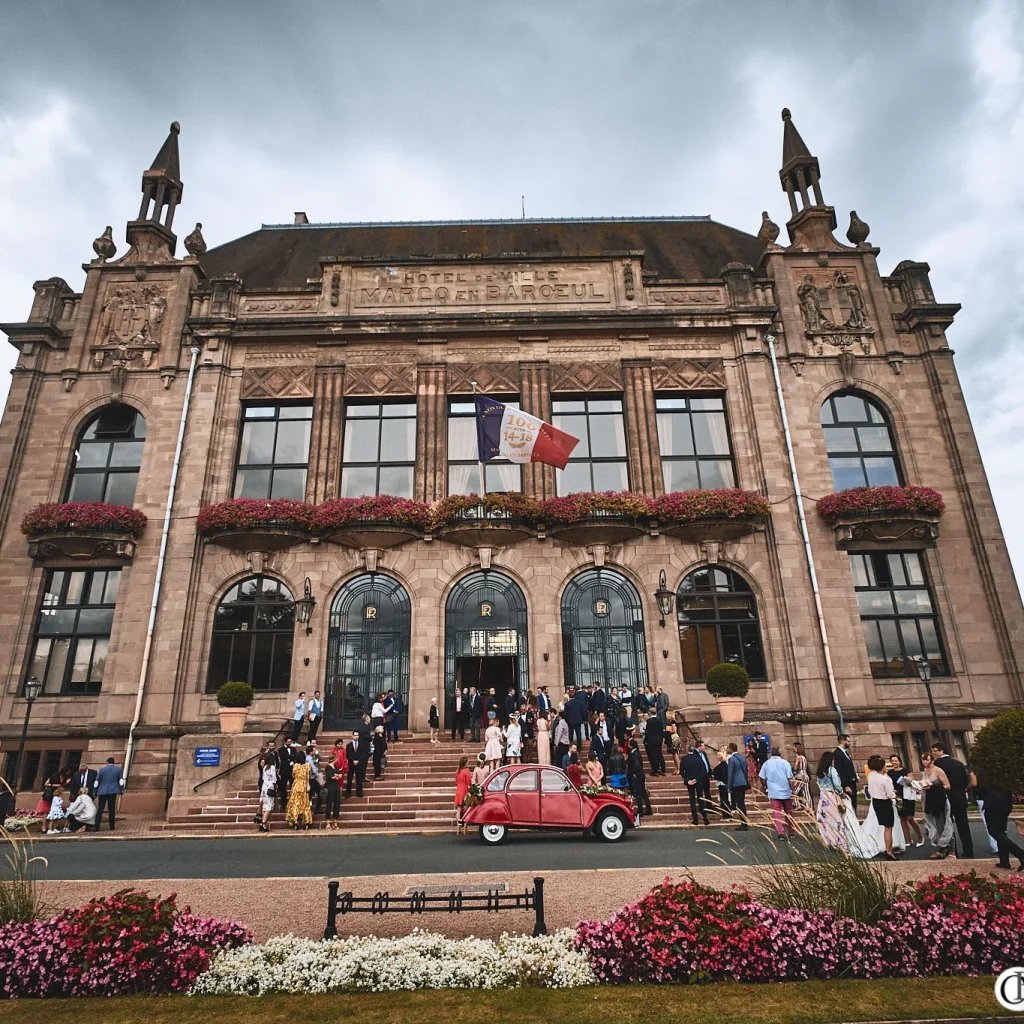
{"type": "Point", "coordinates": [524, 797]}
{"type": "Point", "coordinates": [560, 803]}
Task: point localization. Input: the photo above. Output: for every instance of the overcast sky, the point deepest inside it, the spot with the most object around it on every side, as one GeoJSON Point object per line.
{"type": "Point", "coordinates": [409, 110]}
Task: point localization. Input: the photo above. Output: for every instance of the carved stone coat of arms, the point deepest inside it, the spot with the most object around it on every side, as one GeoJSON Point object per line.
{"type": "Point", "coordinates": [129, 329]}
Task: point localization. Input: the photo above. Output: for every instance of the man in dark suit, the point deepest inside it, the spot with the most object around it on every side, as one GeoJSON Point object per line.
{"type": "Point", "coordinates": [654, 744]}
{"type": "Point", "coordinates": [695, 774]}
{"type": "Point", "coordinates": [959, 783]}
{"type": "Point", "coordinates": [637, 779]}
{"type": "Point", "coordinates": [600, 749]}
{"type": "Point", "coordinates": [509, 706]}
{"type": "Point", "coordinates": [573, 715]}
{"type": "Point", "coordinates": [739, 783]}
{"type": "Point", "coordinates": [284, 771]}
{"type": "Point", "coordinates": [704, 795]}
{"type": "Point", "coordinates": [762, 753]}
{"type": "Point", "coordinates": [459, 713]}
{"type": "Point", "coordinates": [846, 769]}
{"type": "Point", "coordinates": [543, 700]}
{"type": "Point", "coordinates": [598, 700]}
{"type": "Point", "coordinates": [84, 779]}
{"type": "Point", "coordinates": [358, 753]}
{"type": "Point", "coordinates": [475, 706]}
{"type": "Point", "coordinates": [583, 698]}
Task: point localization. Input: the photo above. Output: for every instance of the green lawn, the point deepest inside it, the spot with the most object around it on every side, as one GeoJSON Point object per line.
{"type": "Point", "coordinates": [812, 1002]}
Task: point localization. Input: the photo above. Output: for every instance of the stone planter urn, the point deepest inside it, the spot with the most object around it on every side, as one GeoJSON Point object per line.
{"type": "Point", "coordinates": [232, 720]}
{"type": "Point", "coordinates": [233, 703]}
{"type": "Point", "coordinates": [731, 709]}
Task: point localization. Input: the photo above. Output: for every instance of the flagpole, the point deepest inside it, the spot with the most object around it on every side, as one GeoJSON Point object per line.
{"type": "Point", "coordinates": [480, 461]}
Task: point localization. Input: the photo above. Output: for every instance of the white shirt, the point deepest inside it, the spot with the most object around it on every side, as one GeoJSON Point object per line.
{"type": "Point", "coordinates": [377, 711]}
{"type": "Point", "coordinates": [316, 707]}
{"type": "Point", "coordinates": [300, 710]}
{"type": "Point", "coordinates": [880, 786]}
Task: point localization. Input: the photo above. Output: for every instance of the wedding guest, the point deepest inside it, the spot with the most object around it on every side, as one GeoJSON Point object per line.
{"type": "Point", "coordinates": [695, 775]}
{"type": "Point", "coordinates": [268, 791]}
{"type": "Point", "coordinates": [568, 756]}
{"type": "Point", "coordinates": [316, 714]}
{"type": "Point", "coordinates": [392, 709]}
{"type": "Point", "coordinates": [56, 818]}
{"type": "Point", "coordinates": [837, 822]}
{"type": "Point", "coordinates": [802, 793]}
{"type": "Point", "coordinates": [492, 744]}
{"type": "Point", "coordinates": [475, 704]}
{"type": "Point", "coordinates": [460, 701]}
{"type": "Point", "coordinates": [560, 739]}
{"type": "Point", "coordinates": [481, 771]}
{"type": "Point", "coordinates": [654, 744]}
{"type": "Point", "coordinates": [998, 806]}
{"type": "Point", "coordinates": [674, 742]}
{"type": "Point", "coordinates": [776, 773]}
{"type": "Point", "coordinates": [377, 713]}
{"type": "Point", "coordinates": [842, 761]}
{"type": "Point", "coordinates": [81, 812]}
{"type": "Point", "coordinates": [109, 786]}
{"type": "Point", "coordinates": [595, 770]}
{"type": "Point", "coordinates": [882, 794]}
{"type": "Point", "coordinates": [739, 783]}
{"type": "Point", "coordinates": [637, 779]}
{"type": "Point", "coordinates": [357, 756]}
{"type": "Point", "coordinates": [332, 794]}
{"type": "Point", "coordinates": [617, 778]}
{"type": "Point", "coordinates": [513, 734]}
{"type": "Point", "coordinates": [543, 739]}
{"type": "Point", "coordinates": [299, 814]}
{"type": "Point", "coordinates": [339, 757]}
{"type": "Point", "coordinates": [380, 749]}
{"type": "Point", "coordinates": [573, 769]}
{"type": "Point", "coordinates": [901, 778]}
{"type": "Point", "coordinates": [298, 715]}
{"type": "Point", "coordinates": [959, 782]}
{"type": "Point", "coordinates": [720, 773]}
{"type": "Point", "coordinates": [750, 753]}
{"type": "Point", "coordinates": [463, 780]}
{"type": "Point", "coordinates": [433, 720]}
{"type": "Point", "coordinates": [938, 822]}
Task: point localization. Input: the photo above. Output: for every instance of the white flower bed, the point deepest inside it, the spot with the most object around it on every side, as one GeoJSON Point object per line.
{"type": "Point", "coordinates": [21, 824]}
{"type": "Point", "coordinates": [421, 960]}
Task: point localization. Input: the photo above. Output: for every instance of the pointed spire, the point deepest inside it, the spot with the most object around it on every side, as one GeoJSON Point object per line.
{"type": "Point", "coordinates": [793, 146]}
{"type": "Point", "coordinates": [166, 161]}
{"type": "Point", "coordinates": [161, 193]}
{"type": "Point", "coordinates": [800, 170]}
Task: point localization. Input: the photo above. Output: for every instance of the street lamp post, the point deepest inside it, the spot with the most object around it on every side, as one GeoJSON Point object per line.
{"type": "Point", "coordinates": [924, 670]}
{"type": "Point", "coordinates": [32, 690]}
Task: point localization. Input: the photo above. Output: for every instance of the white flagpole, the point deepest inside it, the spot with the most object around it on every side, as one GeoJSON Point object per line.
{"type": "Point", "coordinates": [480, 461]}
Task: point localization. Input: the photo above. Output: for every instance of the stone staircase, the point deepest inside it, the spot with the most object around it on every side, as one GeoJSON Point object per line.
{"type": "Point", "coordinates": [414, 794]}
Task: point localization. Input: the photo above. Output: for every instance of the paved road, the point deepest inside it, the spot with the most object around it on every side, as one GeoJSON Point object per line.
{"type": "Point", "coordinates": [353, 855]}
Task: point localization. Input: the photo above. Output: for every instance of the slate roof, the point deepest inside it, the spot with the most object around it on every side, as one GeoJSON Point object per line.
{"type": "Point", "coordinates": [285, 255]}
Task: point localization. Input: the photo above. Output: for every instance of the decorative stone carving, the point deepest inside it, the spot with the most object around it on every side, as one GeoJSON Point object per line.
{"type": "Point", "coordinates": [895, 360]}
{"type": "Point", "coordinates": [195, 244]}
{"type": "Point", "coordinates": [886, 531]}
{"type": "Point", "coordinates": [627, 281]}
{"type": "Point", "coordinates": [280, 306]}
{"type": "Point", "coordinates": [834, 312]}
{"type": "Point", "coordinates": [61, 546]}
{"type": "Point", "coordinates": [104, 246]}
{"type": "Point", "coordinates": [686, 297]}
{"type": "Point", "coordinates": [335, 288]}
{"type": "Point", "coordinates": [769, 231]}
{"type": "Point", "coordinates": [491, 378]}
{"type": "Point", "coordinates": [689, 375]}
{"type": "Point", "coordinates": [380, 379]}
{"type": "Point", "coordinates": [277, 382]}
{"type": "Point", "coordinates": [129, 329]}
{"type": "Point", "coordinates": [858, 230]}
{"type": "Point", "coordinates": [586, 377]}
{"type": "Point", "coordinates": [68, 378]}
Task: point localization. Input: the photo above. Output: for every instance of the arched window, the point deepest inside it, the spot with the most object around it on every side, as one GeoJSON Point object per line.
{"type": "Point", "coordinates": [717, 616]}
{"type": "Point", "coordinates": [252, 635]}
{"type": "Point", "coordinates": [603, 631]}
{"type": "Point", "coordinates": [859, 442]}
{"type": "Point", "coordinates": [108, 456]}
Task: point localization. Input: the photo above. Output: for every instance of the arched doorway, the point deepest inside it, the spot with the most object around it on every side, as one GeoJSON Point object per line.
{"type": "Point", "coordinates": [603, 631]}
{"type": "Point", "coordinates": [485, 636]}
{"type": "Point", "coordinates": [367, 649]}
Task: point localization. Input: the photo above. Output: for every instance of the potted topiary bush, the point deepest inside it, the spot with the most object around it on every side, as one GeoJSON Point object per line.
{"type": "Point", "coordinates": [729, 684]}
{"type": "Point", "coordinates": [234, 701]}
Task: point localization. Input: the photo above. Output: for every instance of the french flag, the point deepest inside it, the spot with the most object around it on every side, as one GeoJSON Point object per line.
{"type": "Point", "coordinates": [506, 433]}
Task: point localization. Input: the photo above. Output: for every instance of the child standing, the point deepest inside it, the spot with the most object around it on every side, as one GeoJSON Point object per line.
{"type": "Point", "coordinates": [434, 720]}
{"type": "Point", "coordinates": [56, 818]}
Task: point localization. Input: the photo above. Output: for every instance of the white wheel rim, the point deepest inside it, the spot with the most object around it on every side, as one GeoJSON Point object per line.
{"type": "Point", "coordinates": [611, 827]}
{"type": "Point", "coordinates": [493, 832]}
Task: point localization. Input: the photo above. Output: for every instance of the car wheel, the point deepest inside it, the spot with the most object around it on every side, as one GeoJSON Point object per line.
{"type": "Point", "coordinates": [610, 828]}
{"type": "Point", "coordinates": [492, 835]}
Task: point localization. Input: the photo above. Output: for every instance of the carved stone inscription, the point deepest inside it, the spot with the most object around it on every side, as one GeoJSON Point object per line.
{"type": "Point", "coordinates": [501, 285]}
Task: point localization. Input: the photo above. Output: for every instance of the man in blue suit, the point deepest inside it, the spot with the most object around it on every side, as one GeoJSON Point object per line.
{"type": "Point", "coordinates": [109, 786]}
{"type": "Point", "coordinates": [739, 783]}
{"type": "Point", "coordinates": [574, 714]}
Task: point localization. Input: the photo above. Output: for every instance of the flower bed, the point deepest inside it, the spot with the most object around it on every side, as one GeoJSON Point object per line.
{"type": "Point", "coordinates": [246, 513]}
{"type": "Point", "coordinates": [685, 932]}
{"type": "Point", "coordinates": [500, 505]}
{"type": "Point", "coordinates": [83, 516]}
{"type": "Point", "coordinates": [858, 501]}
{"type": "Point", "coordinates": [22, 821]}
{"type": "Point", "coordinates": [126, 943]}
{"type": "Point", "coordinates": [716, 503]}
{"type": "Point", "coordinates": [418, 961]}
{"type": "Point", "coordinates": [574, 508]}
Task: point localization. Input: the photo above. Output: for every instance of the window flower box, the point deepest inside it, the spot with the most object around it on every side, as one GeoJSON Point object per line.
{"type": "Point", "coordinates": [377, 521]}
{"type": "Point", "coordinates": [883, 518]}
{"type": "Point", "coordinates": [83, 530]}
{"type": "Point", "coordinates": [720, 514]}
{"type": "Point", "coordinates": [256, 524]}
{"type": "Point", "coordinates": [591, 517]}
{"type": "Point", "coordinates": [494, 520]}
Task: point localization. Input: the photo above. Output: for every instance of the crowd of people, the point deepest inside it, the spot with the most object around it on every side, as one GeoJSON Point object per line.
{"type": "Point", "coordinates": [76, 800]}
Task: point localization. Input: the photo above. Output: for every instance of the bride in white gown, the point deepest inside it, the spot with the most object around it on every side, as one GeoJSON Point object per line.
{"type": "Point", "coordinates": [837, 821]}
{"type": "Point", "coordinates": [875, 832]}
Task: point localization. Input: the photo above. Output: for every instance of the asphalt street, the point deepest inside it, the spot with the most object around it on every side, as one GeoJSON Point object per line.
{"type": "Point", "coordinates": [327, 854]}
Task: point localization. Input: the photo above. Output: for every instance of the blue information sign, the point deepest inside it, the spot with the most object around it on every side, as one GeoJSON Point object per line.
{"type": "Point", "coordinates": [207, 757]}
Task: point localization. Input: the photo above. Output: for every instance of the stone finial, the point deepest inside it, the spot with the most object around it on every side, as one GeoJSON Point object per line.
{"type": "Point", "coordinates": [195, 244]}
{"type": "Point", "coordinates": [858, 230]}
{"type": "Point", "coordinates": [104, 245]}
{"type": "Point", "coordinates": [769, 230]}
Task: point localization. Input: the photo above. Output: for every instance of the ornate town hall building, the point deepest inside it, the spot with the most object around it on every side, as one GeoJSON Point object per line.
{"type": "Point", "coordinates": [305, 364]}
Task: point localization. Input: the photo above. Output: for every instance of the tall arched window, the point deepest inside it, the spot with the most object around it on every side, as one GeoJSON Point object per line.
{"type": "Point", "coordinates": [717, 616]}
{"type": "Point", "coordinates": [859, 442]}
{"type": "Point", "coordinates": [108, 456]}
{"type": "Point", "coordinates": [252, 635]}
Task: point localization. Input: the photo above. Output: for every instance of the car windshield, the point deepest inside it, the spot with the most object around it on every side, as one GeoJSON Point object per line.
{"type": "Point", "coordinates": [497, 784]}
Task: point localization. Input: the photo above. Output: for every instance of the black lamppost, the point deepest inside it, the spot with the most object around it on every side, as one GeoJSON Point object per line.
{"type": "Point", "coordinates": [32, 690]}
{"type": "Point", "coordinates": [305, 605]}
{"type": "Point", "coordinates": [664, 597]}
{"type": "Point", "coordinates": [924, 670]}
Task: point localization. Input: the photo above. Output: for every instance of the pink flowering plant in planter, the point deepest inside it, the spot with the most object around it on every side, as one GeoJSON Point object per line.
{"type": "Point", "coordinates": [859, 501]}
{"type": "Point", "coordinates": [574, 508]}
{"type": "Point", "coordinates": [716, 503]}
{"type": "Point", "coordinates": [247, 513]}
{"type": "Point", "coordinates": [374, 508]}
{"type": "Point", "coordinates": [83, 516]}
{"type": "Point", "coordinates": [503, 504]}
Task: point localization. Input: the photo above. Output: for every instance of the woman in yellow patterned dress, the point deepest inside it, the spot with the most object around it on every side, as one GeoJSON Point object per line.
{"type": "Point", "coordinates": [299, 814]}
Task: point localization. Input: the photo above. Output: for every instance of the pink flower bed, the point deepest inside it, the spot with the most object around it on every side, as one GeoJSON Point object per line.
{"type": "Point", "coordinates": [862, 500]}
{"type": "Point", "coordinates": [716, 503]}
{"type": "Point", "coordinates": [245, 513]}
{"type": "Point", "coordinates": [126, 943]}
{"type": "Point", "coordinates": [87, 516]}
{"type": "Point", "coordinates": [686, 933]}
{"type": "Point", "coordinates": [519, 506]}
{"type": "Point", "coordinates": [382, 508]}
{"type": "Point", "coordinates": [571, 508]}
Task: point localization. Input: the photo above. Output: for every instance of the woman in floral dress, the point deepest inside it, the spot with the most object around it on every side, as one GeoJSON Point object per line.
{"type": "Point", "coordinates": [753, 768]}
{"type": "Point", "coordinates": [299, 814]}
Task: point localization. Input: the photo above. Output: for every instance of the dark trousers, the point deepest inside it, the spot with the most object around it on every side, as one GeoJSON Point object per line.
{"type": "Point", "coordinates": [695, 802]}
{"type": "Point", "coordinates": [314, 725]}
{"type": "Point", "coordinates": [724, 804]}
{"type": "Point", "coordinates": [474, 729]}
{"type": "Point", "coordinates": [355, 772]}
{"type": "Point", "coordinates": [105, 800]}
{"type": "Point", "coordinates": [560, 751]}
{"type": "Point", "coordinates": [296, 729]}
{"type": "Point", "coordinates": [638, 788]}
{"type": "Point", "coordinates": [73, 824]}
{"type": "Point", "coordinates": [378, 761]}
{"type": "Point", "coordinates": [958, 808]}
{"type": "Point", "coordinates": [704, 793]}
{"type": "Point", "coordinates": [316, 795]}
{"type": "Point", "coordinates": [656, 757]}
{"type": "Point", "coordinates": [576, 735]}
{"type": "Point", "coordinates": [391, 728]}
{"type": "Point", "coordinates": [738, 798]}
{"type": "Point", "coordinates": [284, 783]}
{"type": "Point", "coordinates": [459, 725]}
{"type": "Point", "coordinates": [333, 805]}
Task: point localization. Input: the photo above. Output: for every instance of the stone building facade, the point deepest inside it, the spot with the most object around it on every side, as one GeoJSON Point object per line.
{"type": "Point", "coordinates": [315, 361]}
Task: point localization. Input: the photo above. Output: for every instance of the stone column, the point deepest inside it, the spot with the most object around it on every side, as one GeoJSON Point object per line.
{"type": "Point", "coordinates": [641, 427]}
{"type": "Point", "coordinates": [328, 425]}
{"type": "Point", "coordinates": [431, 433]}
{"type": "Point", "coordinates": [535, 398]}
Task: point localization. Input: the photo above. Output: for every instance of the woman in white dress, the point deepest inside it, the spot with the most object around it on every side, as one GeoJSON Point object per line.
{"type": "Point", "coordinates": [882, 796]}
{"type": "Point", "coordinates": [492, 746]}
{"type": "Point", "coordinates": [268, 794]}
{"type": "Point", "coordinates": [938, 822]}
{"type": "Point", "coordinates": [837, 821]}
{"type": "Point", "coordinates": [513, 740]}
{"type": "Point", "coordinates": [543, 740]}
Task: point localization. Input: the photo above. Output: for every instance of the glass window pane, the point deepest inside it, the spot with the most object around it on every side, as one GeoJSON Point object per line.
{"type": "Point", "coordinates": [86, 487]}
{"type": "Point", "coordinates": [524, 782]}
{"type": "Point", "coordinates": [54, 681]}
{"type": "Point", "coordinates": [554, 782]}
{"type": "Point", "coordinates": [503, 476]}
{"type": "Point", "coordinates": [398, 440]}
{"type": "Point", "coordinates": [711, 434]}
{"type": "Point", "coordinates": [252, 483]}
{"type": "Point", "coordinates": [716, 474]}
{"type": "Point", "coordinates": [680, 475]}
{"type": "Point", "coordinates": [568, 406]}
{"type": "Point", "coordinates": [92, 454]}
{"type": "Point", "coordinates": [604, 405]}
{"type": "Point", "coordinates": [707, 404]}
{"type": "Point", "coordinates": [826, 413]}
{"type": "Point", "coordinates": [231, 615]}
{"type": "Point", "coordinates": [577, 427]}
{"type": "Point", "coordinates": [95, 620]}
{"type": "Point", "coordinates": [396, 480]}
{"type": "Point", "coordinates": [121, 488]}
{"type": "Point", "coordinates": [112, 587]}
{"type": "Point", "coordinates": [915, 571]}
{"type": "Point", "coordinates": [57, 621]}
{"type": "Point", "coordinates": [690, 652]}
{"type": "Point", "coordinates": [281, 663]}
{"type": "Point", "coordinates": [932, 648]}
{"type": "Point", "coordinates": [575, 477]}
{"type": "Point", "coordinates": [610, 476]}
{"type": "Point", "coordinates": [289, 483]}
{"type": "Point", "coordinates": [261, 662]}
{"type": "Point", "coordinates": [127, 453]}
{"type": "Point", "coordinates": [881, 472]}
{"type": "Point", "coordinates": [847, 473]}
{"type": "Point", "coordinates": [896, 573]}
{"type": "Point", "coordinates": [37, 663]}
{"type": "Point", "coordinates": [913, 602]}
{"type": "Point", "coordinates": [874, 439]}
{"type": "Point", "coordinates": [295, 412]}
{"type": "Point", "coordinates": [732, 649]}
{"type": "Point", "coordinates": [362, 439]}
{"type": "Point", "coordinates": [893, 665]}
{"type": "Point", "coordinates": [292, 442]}
{"type": "Point", "coordinates": [75, 589]}
{"type": "Point", "coordinates": [876, 653]}
{"type": "Point", "coordinates": [358, 480]}
{"type": "Point", "coordinates": [670, 403]}
{"type": "Point", "coordinates": [461, 439]}
{"type": "Point", "coordinates": [911, 640]}
{"type": "Point", "coordinates": [99, 659]}
{"type": "Point", "coordinates": [360, 411]}
{"type": "Point", "coordinates": [238, 667]}
{"type": "Point", "coordinates": [260, 412]}
{"type": "Point", "coordinates": [840, 439]}
{"type": "Point", "coordinates": [874, 413]}
{"type": "Point", "coordinates": [850, 409]}
{"type": "Point", "coordinates": [257, 444]}
{"type": "Point", "coordinates": [94, 595]}
{"type": "Point", "coordinates": [674, 435]}
{"type": "Point", "coordinates": [874, 602]}
{"type": "Point", "coordinates": [220, 660]}
{"type": "Point", "coordinates": [464, 479]}
{"type": "Point", "coordinates": [607, 436]}
{"type": "Point", "coordinates": [860, 572]}
{"type": "Point", "coordinates": [753, 656]}
{"type": "Point", "coordinates": [82, 661]}
{"type": "Point", "coordinates": [391, 410]}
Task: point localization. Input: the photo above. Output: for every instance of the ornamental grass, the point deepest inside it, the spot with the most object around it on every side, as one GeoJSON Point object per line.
{"type": "Point", "coordinates": [83, 516]}
{"type": "Point", "coordinates": [20, 899]}
{"type": "Point", "coordinates": [865, 500]}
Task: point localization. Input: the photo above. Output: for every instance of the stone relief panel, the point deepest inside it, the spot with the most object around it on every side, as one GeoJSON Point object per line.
{"type": "Point", "coordinates": [594, 376]}
{"type": "Point", "coordinates": [689, 375]}
{"type": "Point", "coordinates": [380, 379]}
{"type": "Point", "coordinates": [278, 382]}
{"type": "Point", "coordinates": [685, 296]}
{"type": "Point", "coordinates": [284, 306]}
{"type": "Point", "coordinates": [491, 378]}
{"type": "Point", "coordinates": [834, 310]}
{"type": "Point", "coordinates": [131, 319]}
